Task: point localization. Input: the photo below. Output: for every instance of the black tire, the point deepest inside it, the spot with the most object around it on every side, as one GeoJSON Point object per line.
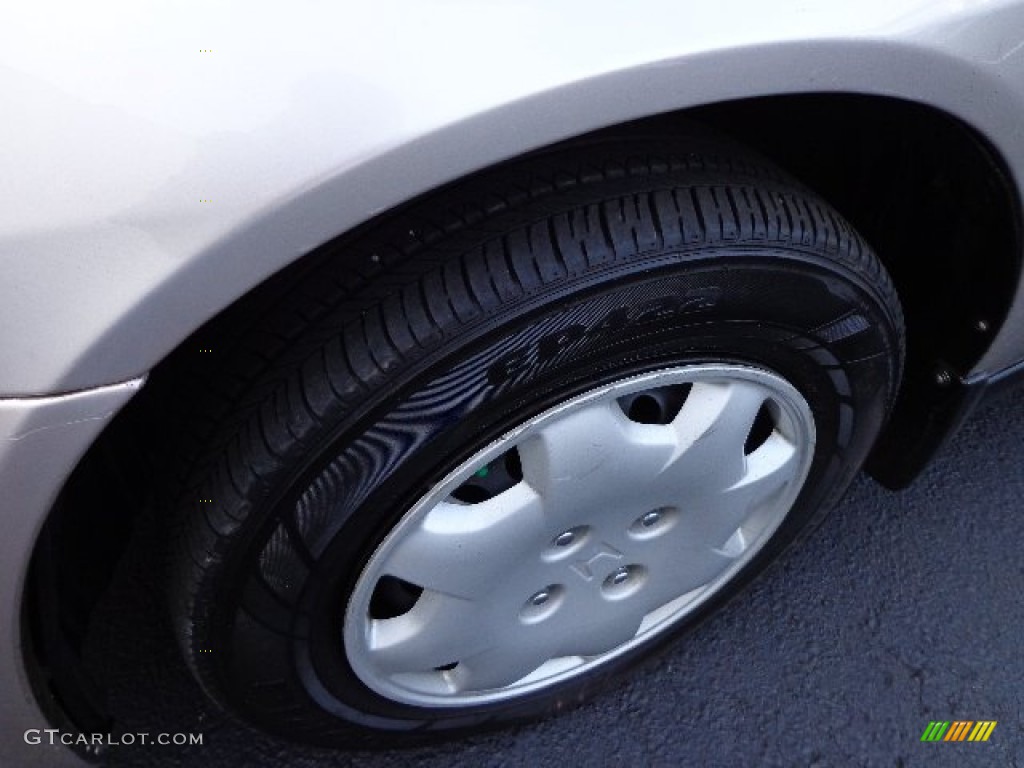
{"type": "Point", "coordinates": [429, 335]}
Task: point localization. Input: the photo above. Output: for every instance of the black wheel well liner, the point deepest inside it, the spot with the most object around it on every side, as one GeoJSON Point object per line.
{"type": "Point", "coordinates": [940, 208]}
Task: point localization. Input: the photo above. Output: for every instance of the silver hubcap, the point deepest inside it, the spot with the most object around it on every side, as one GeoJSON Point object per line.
{"type": "Point", "coordinates": [618, 513]}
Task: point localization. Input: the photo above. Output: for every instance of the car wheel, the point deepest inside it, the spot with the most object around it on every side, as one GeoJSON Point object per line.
{"type": "Point", "coordinates": [524, 432]}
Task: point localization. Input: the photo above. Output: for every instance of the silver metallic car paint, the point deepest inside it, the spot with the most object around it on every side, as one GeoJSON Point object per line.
{"type": "Point", "coordinates": [157, 160]}
{"type": "Point", "coordinates": [41, 440]}
{"type": "Point", "coordinates": [124, 120]}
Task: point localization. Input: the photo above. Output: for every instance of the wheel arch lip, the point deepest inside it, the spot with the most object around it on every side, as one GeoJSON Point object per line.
{"type": "Point", "coordinates": [41, 440]}
{"type": "Point", "coordinates": [146, 277]}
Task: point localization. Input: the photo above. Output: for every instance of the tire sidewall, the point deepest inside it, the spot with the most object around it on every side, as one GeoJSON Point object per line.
{"type": "Point", "coordinates": [784, 310]}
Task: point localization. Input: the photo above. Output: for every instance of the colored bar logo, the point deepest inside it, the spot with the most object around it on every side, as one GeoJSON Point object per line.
{"type": "Point", "coordinates": [958, 730]}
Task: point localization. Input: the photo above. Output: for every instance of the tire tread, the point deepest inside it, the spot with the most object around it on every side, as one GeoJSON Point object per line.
{"type": "Point", "coordinates": [409, 283]}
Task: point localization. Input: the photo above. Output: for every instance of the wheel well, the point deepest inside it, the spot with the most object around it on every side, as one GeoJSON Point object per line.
{"type": "Point", "coordinates": [935, 201]}
{"type": "Point", "coordinates": [926, 191]}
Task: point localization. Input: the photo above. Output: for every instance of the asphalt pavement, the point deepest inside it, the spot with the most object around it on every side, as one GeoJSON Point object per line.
{"type": "Point", "coordinates": [901, 609]}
